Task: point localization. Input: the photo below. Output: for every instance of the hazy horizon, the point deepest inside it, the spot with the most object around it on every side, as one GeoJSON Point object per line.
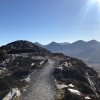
{"type": "Point", "coordinates": [51, 42]}
{"type": "Point", "coordinates": [49, 20]}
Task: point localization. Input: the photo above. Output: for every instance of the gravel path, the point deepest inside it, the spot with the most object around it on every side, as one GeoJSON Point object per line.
{"type": "Point", "coordinates": [42, 86]}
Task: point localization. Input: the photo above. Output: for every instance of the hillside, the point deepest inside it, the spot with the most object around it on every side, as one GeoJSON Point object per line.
{"type": "Point", "coordinates": [76, 81]}
{"type": "Point", "coordinates": [22, 46]}
{"type": "Point", "coordinates": [28, 69]}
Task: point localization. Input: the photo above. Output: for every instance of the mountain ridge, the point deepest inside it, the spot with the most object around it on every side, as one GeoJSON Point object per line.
{"type": "Point", "coordinates": [31, 69]}
{"type": "Point", "coordinates": [85, 50]}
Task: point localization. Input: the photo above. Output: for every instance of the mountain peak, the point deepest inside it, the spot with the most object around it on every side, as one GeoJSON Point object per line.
{"type": "Point", "coordinates": [79, 41]}
{"type": "Point", "coordinates": [93, 41]}
{"type": "Point", "coordinates": [21, 46]}
{"type": "Point", "coordinates": [53, 42]}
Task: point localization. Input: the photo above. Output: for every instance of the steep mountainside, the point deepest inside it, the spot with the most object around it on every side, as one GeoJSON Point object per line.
{"type": "Point", "coordinates": [88, 51]}
{"type": "Point", "coordinates": [37, 74]}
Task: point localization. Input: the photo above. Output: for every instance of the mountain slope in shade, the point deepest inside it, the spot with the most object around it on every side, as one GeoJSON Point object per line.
{"type": "Point", "coordinates": [88, 51]}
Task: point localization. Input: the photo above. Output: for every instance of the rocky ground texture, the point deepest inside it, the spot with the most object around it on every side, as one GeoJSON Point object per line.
{"type": "Point", "coordinates": [42, 75]}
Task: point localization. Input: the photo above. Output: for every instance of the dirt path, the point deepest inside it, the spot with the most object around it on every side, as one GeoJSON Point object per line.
{"type": "Point", "coordinates": [42, 86]}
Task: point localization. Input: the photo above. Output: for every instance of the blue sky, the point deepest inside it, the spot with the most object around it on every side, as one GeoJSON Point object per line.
{"type": "Point", "coordinates": [49, 20]}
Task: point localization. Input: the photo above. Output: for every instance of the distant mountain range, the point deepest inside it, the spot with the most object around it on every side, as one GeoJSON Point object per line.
{"type": "Point", "coordinates": [87, 51]}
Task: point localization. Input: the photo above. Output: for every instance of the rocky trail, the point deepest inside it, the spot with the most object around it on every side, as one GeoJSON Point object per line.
{"type": "Point", "coordinates": [42, 84]}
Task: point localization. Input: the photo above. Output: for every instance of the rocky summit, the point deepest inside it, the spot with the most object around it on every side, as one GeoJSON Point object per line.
{"type": "Point", "coordinates": [23, 46]}
{"type": "Point", "coordinates": [30, 72]}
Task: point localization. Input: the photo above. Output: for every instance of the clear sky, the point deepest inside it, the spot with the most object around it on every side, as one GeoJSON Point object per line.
{"type": "Point", "coordinates": [49, 20]}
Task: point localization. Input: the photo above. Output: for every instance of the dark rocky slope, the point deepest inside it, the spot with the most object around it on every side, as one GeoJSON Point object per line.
{"type": "Point", "coordinates": [22, 46]}
{"type": "Point", "coordinates": [17, 60]}
{"type": "Point", "coordinates": [76, 81]}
